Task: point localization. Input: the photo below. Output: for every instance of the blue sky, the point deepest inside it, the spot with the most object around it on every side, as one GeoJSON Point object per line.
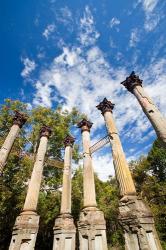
{"type": "Point", "coordinates": [77, 52]}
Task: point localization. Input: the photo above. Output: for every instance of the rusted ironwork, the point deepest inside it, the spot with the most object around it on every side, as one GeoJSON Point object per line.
{"type": "Point", "coordinates": [101, 143]}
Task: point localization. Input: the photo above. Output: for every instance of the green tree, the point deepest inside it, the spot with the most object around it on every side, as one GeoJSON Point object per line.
{"type": "Point", "coordinates": [20, 164]}
{"type": "Point", "coordinates": [150, 178]}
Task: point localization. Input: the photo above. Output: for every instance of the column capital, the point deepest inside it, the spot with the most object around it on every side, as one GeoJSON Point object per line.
{"type": "Point", "coordinates": [45, 131]}
{"type": "Point", "coordinates": [131, 81]}
{"type": "Point", "coordinates": [69, 141]}
{"type": "Point", "coordinates": [19, 118]}
{"type": "Point", "coordinates": [85, 125]}
{"type": "Point", "coordinates": [105, 106]}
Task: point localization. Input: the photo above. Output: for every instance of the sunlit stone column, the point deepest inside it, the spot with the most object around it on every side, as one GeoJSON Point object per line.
{"type": "Point", "coordinates": [91, 225]}
{"type": "Point", "coordinates": [88, 175]}
{"type": "Point", "coordinates": [122, 171]}
{"type": "Point", "coordinates": [64, 228]}
{"type": "Point", "coordinates": [18, 121]}
{"type": "Point", "coordinates": [27, 223]}
{"type": "Point", "coordinates": [135, 216]}
{"type": "Point", "coordinates": [134, 85]}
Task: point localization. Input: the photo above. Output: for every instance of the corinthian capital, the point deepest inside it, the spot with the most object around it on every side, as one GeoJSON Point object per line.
{"type": "Point", "coordinates": [85, 125]}
{"type": "Point", "coordinates": [131, 81]}
{"type": "Point", "coordinates": [105, 106]}
{"type": "Point", "coordinates": [69, 141]}
{"type": "Point", "coordinates": [19, 118]}
{"type": "Point", "coordinates": [45, 131]}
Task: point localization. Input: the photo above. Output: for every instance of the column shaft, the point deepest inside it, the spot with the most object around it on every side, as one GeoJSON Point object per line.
{"type": "Point", "coordinates": [7, 145]}
{"type": "Point", "coordinates": [122, 171]}
{"type": "Point", "coordinates": [64, 228]}
{"type": "Point", "coordinates": [88, 174]}
{"type": "Point", "coordinates": [156, 118]}
{"type": "Point", "coordinates": [134, 84]}
{"type": "Point", "coordinates": [27, 223]}
{"type": "Point", "coordinates": [35, 182]}
{"type": "Point", "coordinates": [66, 190]}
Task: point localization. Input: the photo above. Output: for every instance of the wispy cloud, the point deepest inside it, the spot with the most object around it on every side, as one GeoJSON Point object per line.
{"type": "Point", "coordinates": [114, 22]}
{"type": "Point", "coordinates": [29, 66]}
{"type": "Point", "coordinates": [81, 76]}
{"type": "Point", "coordinates": [134, 37]}
{"type": "Point", "coordinates": [152, 18]}
{"type": "Point", "coordinates": [87, 32]}
{"type": "Point", "coordinates": [48, 30]}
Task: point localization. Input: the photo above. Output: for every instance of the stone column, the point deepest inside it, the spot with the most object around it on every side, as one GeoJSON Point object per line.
{"type": "Point", "coordinates": [135, 216]}
{"type": "Point", "coordinates": [122, 171]}
{"type": "Point", "coordinates": [27, 223]}
{"type": "Point", "coordinates": [18, 121]}
{"type": "Point", "coordinates": [134, 85]}
{"type": "Point", "coordinates": [88, 175]}
{"type": "Point", "coordinates": [91, 225]}
{"type": "Point", "coordinates": [64, 228]}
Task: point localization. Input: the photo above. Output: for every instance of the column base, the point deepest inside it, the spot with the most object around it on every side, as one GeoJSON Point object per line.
{"type": "Point", "coordinates": [64, 233]}
{"type": "Point", "coordinates": [25, 231]}
{"type": "Point", "coordinates": [92, 229]}
{"type": "Point", "coordinates": [137, 222]}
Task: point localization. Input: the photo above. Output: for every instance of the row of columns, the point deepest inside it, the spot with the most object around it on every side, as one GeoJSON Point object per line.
{"type": "Point", "coordinates": [134, 216]}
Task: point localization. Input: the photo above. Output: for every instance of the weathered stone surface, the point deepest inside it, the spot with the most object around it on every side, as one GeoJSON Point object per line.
{"type": "Point", "coordinates": [92, 229]}
{"type": "Point", "coordinates": [158, 121]}
{"type": "Point", "coordinates": [18, 121]}
{"type": "Point", "coordinates": [88, 174]}
{"type": "Point", "coordinates": [19, 118]}
{"type": "Point", "coordinates": [64, 228]}
{"type": "Point", "coordinates": [122, 171]}
{"type": "Point", "coordinates": [25, 231]}
{"type": "Point", "coordinates": [36, 177]}
{"type": "Point", "coordinates": [132, 81]}
{"type": "Point", "coordinates": [26, 225]}
{"type": "Point", "coordinates": [66, 188]}
{"type": "Point", "coordinates": [85, 125]}
{"type": "Point", "coordinates": [69, 141]}
{"type": "Point", "coordinates": [137, 222]}
{"type": "Point", "coordinates": [64, 233]}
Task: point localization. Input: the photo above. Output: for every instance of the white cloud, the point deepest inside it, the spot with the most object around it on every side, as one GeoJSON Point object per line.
{"type": "Point", "coordinates": [149, 5]}
{"type": "Point", "coordinates": [83, 79]}
{"type": "Point", "coordinates": [43, 95]}
{"type": "Point", "coordinates": [65, 17]}
{"type": "Point", "coordinates": [48, 30]}
{"type": "Point", "coordinates": [134, 37]}
{"type": "Point", "coordinates": [87, 32]}
{"type": "Point", "coordinates": [112, 43]}
{"type": "Point", "coordinates": [151, 17]}
{"type": "Point", "coordinates": [81, 76]}
{"type": "Point", "coordinates": [103, 166]}
{"type": "Point", "coordinates": [29, 66]}
{"type": "Point", "coordinates": [114, 22]}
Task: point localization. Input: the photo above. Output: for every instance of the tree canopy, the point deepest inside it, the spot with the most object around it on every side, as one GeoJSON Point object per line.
{"type": "Point", "coordinates": [148, 172]}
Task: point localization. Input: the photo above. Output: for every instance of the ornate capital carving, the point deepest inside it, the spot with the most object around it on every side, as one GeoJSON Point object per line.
{"type": "Point", "coordinates": [69, 141]}
{"type": "Point", "coordinates": [19, 118]}
{"type": "Point", "coordinates": [105, 106]}
{"type": "Point", "coordinates": [85, 125]}
{"type": "Point", "coordinates": [45, 131]}
{"type": "Point", "coordinates": [131, 81]}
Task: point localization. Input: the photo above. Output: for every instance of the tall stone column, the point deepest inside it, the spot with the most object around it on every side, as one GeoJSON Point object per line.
{"type": "Point", "coordinates": [134, 85]}
{"type": "Point", "coordinates": [135, 216]}
{"type": "Point", "coordinates": [27, 223]}
{"type": "Point", "coordinates": [18, 121]}
{"type": "Point", "coordinates": [122, 171]}
{"type": "Point", "coordinates": [64, 228]}
{"type": "Point", "coordinates": [91, 225]}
